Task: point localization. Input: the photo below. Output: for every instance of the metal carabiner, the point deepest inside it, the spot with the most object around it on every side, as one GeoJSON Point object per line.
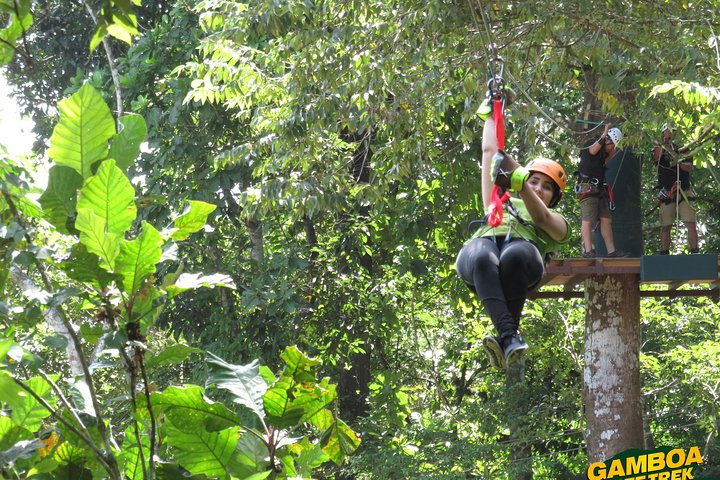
{"type": "Point", "coordinates": [496, 79]}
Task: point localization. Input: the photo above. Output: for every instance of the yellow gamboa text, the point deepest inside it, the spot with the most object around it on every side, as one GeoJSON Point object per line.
{"type": "Point", "coordinates": [676, 464]}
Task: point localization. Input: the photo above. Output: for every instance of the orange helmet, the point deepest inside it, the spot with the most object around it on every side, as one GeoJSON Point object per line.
{"type": "Point", "coordinates": [553, 170]}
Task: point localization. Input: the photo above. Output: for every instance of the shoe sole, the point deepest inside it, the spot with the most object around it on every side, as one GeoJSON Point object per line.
{"type": "Point", "coordinates": [494, 352]}
{"type": "Point", "coordinates": [515, 355]}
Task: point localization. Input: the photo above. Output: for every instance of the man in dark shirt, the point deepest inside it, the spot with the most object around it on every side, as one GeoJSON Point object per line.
{"type": "Point", "coordinates": [675, 191]}
{"type": "Point", "coordinates": [592, 191]}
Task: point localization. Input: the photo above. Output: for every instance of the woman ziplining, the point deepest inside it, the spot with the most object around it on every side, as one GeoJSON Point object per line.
{"type": "Point", "coordinates": [504, 260]}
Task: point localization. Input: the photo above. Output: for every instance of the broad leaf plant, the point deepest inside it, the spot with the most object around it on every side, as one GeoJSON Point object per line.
{"type": "Point", "coordinates": [100, 295]}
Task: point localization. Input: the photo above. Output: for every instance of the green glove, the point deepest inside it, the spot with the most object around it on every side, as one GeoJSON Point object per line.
{"type": "Point", "coordinates": [485, 109]}
{"type": "Point", "coordinates": [518, 178]}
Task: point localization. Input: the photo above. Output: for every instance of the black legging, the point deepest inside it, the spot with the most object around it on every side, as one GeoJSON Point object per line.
{"type": "Point", "coordinates": [501, 274]}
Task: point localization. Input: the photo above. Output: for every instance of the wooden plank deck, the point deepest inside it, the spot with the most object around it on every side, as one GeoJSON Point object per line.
{"type": "Point", "coordinates": [564, 278]}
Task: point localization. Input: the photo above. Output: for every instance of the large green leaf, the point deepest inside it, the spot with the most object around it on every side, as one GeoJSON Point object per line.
{"type": "Point", "coordinates": [148, 307]}
{"type": "Point", "coordinates": [278, 403]}
{"type": "Point", "coordinates": [189, 410]}
{"type": "Point", "coordinates": [26, 410]}
{"type": "Point", "coordinates": [338, 441]}
{"type": "Point", "coordinates": [126, 144]}
{"type": "Point", "coordinates": [138, 258]}
{"type": "Point", "coordinates": [94, 236]}
{"type": "Point", "coordinates": [171, 355]}
{"type": "Point", "coordinates": [253, 460]}
{"type": "Point", "coordinates": [130, 455]}
{"type": "Point", "coordinates": [298, 364]}
{"type": "Point", "coordinates": [80, 138]}
{"type": "Point", "coordinates": [190, 281]}
{"type": "Point", "coordinates": [5, 345]}
{"type": "Point", "coordinates": [314, 400]}
{"type": "Point", "coordinates": [15, 29]}
{"type": "Point", "coordinates": [296, 397]}
{"type": "Point", "coordinates": [310, 457]}
{"type": "Point", "coordinates": [201, 452]}
{"type": "Point", "coordinates": [192, 219]}
{"type": "Point", "coordinates": [243, 381]}
{"type": "Point", "coordinates": [10, 433]}
{"type": "Point", "coordinates": [60, 197]}
{"type": "Point", "coordinates": [111, 196]}
{"type": "Point", "coordinates": [84, 266]}
{"type": "Point", "coordinates": [10, 392]}
{"type": "Point", "coordinates": [19, 7]}
{"type": "Point", "coordinates": [22, 449]}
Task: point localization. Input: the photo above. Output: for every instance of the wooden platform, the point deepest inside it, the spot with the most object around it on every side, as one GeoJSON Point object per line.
{"type": "Point", "coordinates": [564, 277]}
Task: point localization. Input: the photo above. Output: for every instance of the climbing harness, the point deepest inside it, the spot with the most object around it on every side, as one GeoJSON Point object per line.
{"type": "Point", "coordinates": [586, 186]}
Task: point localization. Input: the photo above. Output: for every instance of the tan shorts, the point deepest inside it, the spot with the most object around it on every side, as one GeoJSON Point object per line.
{"type": "Point", "coordinates": [593, 208]}
{"type": "Point", "coordinates": [668, 214]}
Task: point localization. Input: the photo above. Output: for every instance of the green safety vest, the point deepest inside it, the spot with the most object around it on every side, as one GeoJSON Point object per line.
{"type": "Point", "coordinates": [526, 229]}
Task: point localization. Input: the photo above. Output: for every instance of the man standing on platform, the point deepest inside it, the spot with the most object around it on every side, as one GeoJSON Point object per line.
{"type": "Point", "coordinates": [676, 192]}
{"type": "Point", "coordinates": [594, 194]}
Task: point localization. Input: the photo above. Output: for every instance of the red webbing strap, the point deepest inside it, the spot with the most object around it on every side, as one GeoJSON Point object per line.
{"type": "Point", "coordinates": [499, 123]}
{"type": "Point", "coordinates": [495, 215]}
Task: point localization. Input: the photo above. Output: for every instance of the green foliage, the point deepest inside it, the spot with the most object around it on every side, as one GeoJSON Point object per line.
{"type": "Point", "coordinates": [19, 21]}
{"type": "Point", "coordinates": [116, 18]}
{"type": "Point", "coordinates": [115, 259]}
{"type": "Point", "coordinates": [339, 140]}
{"type": "Point", "coordinates": [80, 138]}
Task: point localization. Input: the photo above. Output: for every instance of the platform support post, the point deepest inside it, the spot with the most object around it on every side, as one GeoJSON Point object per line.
{"type": "Point", "coordinates": [611, 393]}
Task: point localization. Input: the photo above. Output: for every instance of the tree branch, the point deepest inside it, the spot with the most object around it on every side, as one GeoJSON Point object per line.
{"type": "Point", "coordinates": [114, 472]}
{"type": "Point", "coordinates": [111, 63]}
{"type": "Point", "coordinates": [17, 273]}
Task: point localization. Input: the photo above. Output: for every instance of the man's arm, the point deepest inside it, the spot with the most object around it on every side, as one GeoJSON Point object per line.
{"type": "Point", "coordinates": [657, 153]}
{"type": "Point", "coordinates": [597, 146]}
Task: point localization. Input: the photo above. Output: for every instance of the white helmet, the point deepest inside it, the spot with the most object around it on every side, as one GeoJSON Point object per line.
{"type": "Point", "coordinates": [615, 135]}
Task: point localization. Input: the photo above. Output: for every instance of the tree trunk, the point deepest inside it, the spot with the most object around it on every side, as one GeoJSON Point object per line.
{"type": "Point", "coordinates": [613, 404]}
{"type": "Point", "coordinates": [517, 408]}
{"type": "Point", "coordinates": [53, 319]}
{"type": "Point", "coordinates": [257, 251]}
{"type": "Point", "coordinates": [354, 384]}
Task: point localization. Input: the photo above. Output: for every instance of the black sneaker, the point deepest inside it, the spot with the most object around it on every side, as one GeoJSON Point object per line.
{"type": "Point", "coordinates": [617, 254]}
{"type": "Point", "coordinates": [694, 251]}
{"type": "Point", "coordinates": [494, 351]}
{"type": "Point", "coordinates": [514, 348]}
{"type": "Point", "coordinates": [664, 252]}
{"type": "Point", "coordinates": [590, 254]}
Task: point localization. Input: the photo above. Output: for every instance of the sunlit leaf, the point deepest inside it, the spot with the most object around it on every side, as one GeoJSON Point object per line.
{"type": "Point", "coordinates": [126, 144]}
{"type": "Point", "coordinates": [94, 236]}
{"type": "Point", "coordinates": [111, 196]}
{"type": "Point", "coordinates": [26, 410]}
{"type": "Point", "coordinates": [172, 355]}
{"type": "Point", "coordinates": [189, 281]}
{"type": "Point", "coordinates": [243, 381]}
{"type": "Point", "coordinates": [137, 258]}
{"type": "Point", "coordinates": [190, 411]}
{"type": "Point", "coordinates": [338, 441]}
{"type": "Point", "coordinates": [80, 138]}
{"type": "Point", "coordinates": [130, 455]}
{"type": "Point", "coordinates": [201, 452]}
{"type": "Point", "coordinates": [192, 220]}
{"type": "Point", "coordinates": [60, 197]}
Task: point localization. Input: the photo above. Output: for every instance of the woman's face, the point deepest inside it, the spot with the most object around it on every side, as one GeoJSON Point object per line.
{"type": "Point", "coordinates": [543, 186]}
